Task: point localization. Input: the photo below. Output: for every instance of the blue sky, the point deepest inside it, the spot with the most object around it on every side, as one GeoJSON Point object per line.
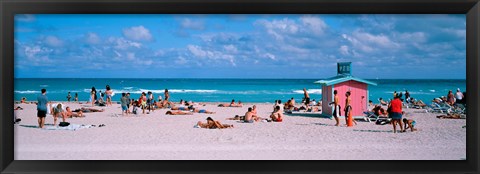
{"type": "Point", "coordinates": [239, 46]}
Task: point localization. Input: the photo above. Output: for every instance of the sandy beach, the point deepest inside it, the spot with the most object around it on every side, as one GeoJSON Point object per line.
{"type": "Point", "coordinates": [156, 136]}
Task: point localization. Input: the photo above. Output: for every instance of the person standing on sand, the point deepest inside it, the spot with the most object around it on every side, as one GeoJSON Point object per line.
{"type": "Point", "coordinates": [336, 110]}
{"type": "Point", "coordinates": [129, 102]}
{"type": "Point", "coordinates": [348, 107]}
{"type": "Point", "coordinates": [109, 93]}
{"type": "Point", "coordinates": [307, 98]}
{"type": "Point", "coordinates": [69, 97]}
{"type": "Point", "coordinates": [93, 96]}
{"type": "Point", "coordinates": [167, 97]}
{"type": "Point", "coordinates": [396, 113]}
{"type": "Point", "coordinates": [451, 98]}
{"type": "Point", "coordinates": [76, 97]}
{"type": "Point", "coordinates": [459, 96]}
{"type": "Point", "coordinates": [124, 101]}
{"type": "Point", "coordinates": [42, 102]}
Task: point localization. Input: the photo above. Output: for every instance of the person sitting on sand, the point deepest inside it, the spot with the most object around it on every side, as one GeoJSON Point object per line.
{"type": "Point", "coordinates": [250, 117]}
{"type": "Point", "coordinates": [410, 123]}
{"type": "Point", "coordinates": [237, 105]}
{"type": "Point", "coordinates": [370, 103]}
{"type": "Point", "coordinates": [278, 103]}
{"type": "Point", "coordinates": [178, 113]}
{"type": "Point", "coordinates": [278, 115]}
{"type": "Point", "coordinates": [288, 106]}
{"type": "Point", "coordinates": [71, 114]}
{"type": "Point", "coordinates": [23, 100]}
{"type": "Point", "coordinates": [204, 111]}
{"type": "Point", "coordinates": [86, 110]}
{"type": "Point", "coordinates": [212, 124]}
{"type": "Point", "coordinates": [254, 109]}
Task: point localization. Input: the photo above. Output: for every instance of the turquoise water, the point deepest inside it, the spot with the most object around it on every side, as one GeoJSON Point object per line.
{"type": "Point", "coordinates": [224, 90]}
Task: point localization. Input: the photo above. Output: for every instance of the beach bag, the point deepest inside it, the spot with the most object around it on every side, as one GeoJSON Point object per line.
{"type": "Point", "coordinates": [64, 124]}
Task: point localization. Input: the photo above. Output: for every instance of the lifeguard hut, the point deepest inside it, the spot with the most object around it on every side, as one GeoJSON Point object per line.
{"type": "Point", "coordinates": [343, 82]}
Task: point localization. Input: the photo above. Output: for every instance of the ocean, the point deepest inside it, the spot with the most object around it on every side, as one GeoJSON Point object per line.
{"type": "Point", "coordinates": [224, 90]}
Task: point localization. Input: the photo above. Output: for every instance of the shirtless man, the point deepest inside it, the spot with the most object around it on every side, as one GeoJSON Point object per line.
{"type": "Point", "coordinates": [278, 115]}
{"type": "Point", "coordinates": [249, 117]}
{"type": "Point", "coordinates": [307, 98]}
{"type": "Point", "coordinates": [336, 110]}
{"type": "Point", "coordinates": [71, 114]}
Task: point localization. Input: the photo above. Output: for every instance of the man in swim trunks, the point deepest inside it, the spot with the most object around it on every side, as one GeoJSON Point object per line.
{"type": "Point", "coordinates": [42, 108]}
{"type": "Point", "coordinates": [307, 98]}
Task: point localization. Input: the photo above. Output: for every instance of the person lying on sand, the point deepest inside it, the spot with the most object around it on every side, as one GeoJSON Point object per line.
{"type": "Point", "coordinates": [178, 113]}
{"type": "Point", "coordinates": [410, 123]}
{"type": "Point", "coordinates": [451, 116]}
{"type": "Point", "coordinates": [278, 115]}
{"type": "Point", "coordinates": [202, 111]}
{"type": "Point", "coordinates": [379, 111]}
{"type": "Point", "coordinates": [382, 102]}
{"type": "Point", "coordinates": [237, 117]}
{"type": "Point", "coordinates": [182, 108]}
{"type": "Point", "coordinates": [212, 124]}
{"type": "Point", "coordinates": [227, 104]}
{"type": "Point", "coordinates": [86, 110]}
{"type": "Point", "coordinates": [71, 114]}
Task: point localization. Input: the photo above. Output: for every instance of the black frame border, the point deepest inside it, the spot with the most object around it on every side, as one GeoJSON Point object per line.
{"type": "Point", "coordinates": [471, 8]}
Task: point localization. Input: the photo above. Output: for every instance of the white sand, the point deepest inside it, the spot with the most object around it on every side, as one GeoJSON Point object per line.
{"type": "Point", "coordinates": [156, 136]}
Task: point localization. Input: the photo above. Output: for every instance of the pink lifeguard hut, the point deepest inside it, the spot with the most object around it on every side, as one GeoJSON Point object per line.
{"type": "Point", "coordinates": [343, 82]}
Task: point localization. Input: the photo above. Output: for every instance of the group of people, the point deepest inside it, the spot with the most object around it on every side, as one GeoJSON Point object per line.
{"type": "Point", "coordinates": [94, 99]}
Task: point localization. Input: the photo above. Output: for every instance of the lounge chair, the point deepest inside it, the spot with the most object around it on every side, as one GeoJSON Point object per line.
{"type": "Point", "coordinates": [439, 108]}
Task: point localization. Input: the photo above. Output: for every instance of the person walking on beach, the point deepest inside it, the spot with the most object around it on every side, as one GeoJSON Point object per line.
{"type": "Point", "coordinates": [69, 97]}
{"type": "Point", "coordinates": [109, 94]}
{"type": "Point", "coordinates": [42, 101]}
{"type": "Point", "coordinates": [124, 103]}
{"type": "Point", "coordinates": [459, 96]}
{"type": "Point", "coordinates": [76, 97]}
{"type": "Point", "coordinates": [143, 101]}
{"type": "Point", "coordinates": [336, 110]}
{"type": "Point", "coordinates": [396, 113]}
{"type": "Point", "coordinates": [307, 98]}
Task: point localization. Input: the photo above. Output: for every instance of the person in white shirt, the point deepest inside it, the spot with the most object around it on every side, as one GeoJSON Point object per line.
{"type": "Point", "coordinates": [459, 95]}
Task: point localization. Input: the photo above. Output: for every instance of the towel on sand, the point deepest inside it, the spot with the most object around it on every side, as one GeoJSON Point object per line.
{"type": "Point", "coordinates": [71, 127]}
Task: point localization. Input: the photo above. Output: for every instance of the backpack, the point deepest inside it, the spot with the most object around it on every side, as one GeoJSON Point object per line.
{"type": "Point", "coordinates": [63, 124]}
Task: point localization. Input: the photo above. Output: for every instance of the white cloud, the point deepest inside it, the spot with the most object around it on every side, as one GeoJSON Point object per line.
{"type": "Point", "coordinates": [92, 38]}
{"type": "Point", "coordinates": [315, 24]}
{"type": "Point", "coordinates": [138, 33]}
{"type": "Point", "coordinates": [270, 56]}
{"type": "Point", "coordinates": [53, 41]}
{"type": "Point", "coordinates": [344, 50]}
{"type": "Point", "coordinates": [230, 48]}
{"type": "Point", "coordinates": [278, 28]}
{"type": "Point", "coordinates": [181, 61]}
{"type": "Point", "coordinates": [123, 44]}
{"type": "Point", "coordinates": [191, 24]}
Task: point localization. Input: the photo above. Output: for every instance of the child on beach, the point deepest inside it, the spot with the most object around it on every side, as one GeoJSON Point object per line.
{"type": "Point", "coordinates": [410, 123]}
{"type": "Point", "coordinates": [124, 103]}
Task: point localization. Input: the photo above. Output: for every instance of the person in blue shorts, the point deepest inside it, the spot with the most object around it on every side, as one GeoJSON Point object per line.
{"type": "Point", "coordinates": [410, 123]}
{"type": "Point", "coordinates": [124, 103]}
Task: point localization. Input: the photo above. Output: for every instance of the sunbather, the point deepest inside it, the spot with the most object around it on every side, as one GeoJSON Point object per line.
{"type": "Point", "coordinates": [71, 114]}
{"type": "Point", "coordinates": [86, 110]}
{"type": "Point", "coordinates": [212, 124]}
{"type": "Point", "coordinates": [451, 116]}
{"type": "Point", "coordinates": [237, 117]}
{"type": "Point", "coordinates": [182, 108]}
{"type": "Point", "coordinates": [250, 117]}
{"type": "Point", "coordinates": [202, 111]}
{"type": "Point", "coordinates": [178, 113]}
{"type": "Point", "coordinates": [382, 102]}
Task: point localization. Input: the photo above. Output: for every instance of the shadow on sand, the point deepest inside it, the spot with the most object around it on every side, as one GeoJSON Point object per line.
{"type": "Point", "coordinates": [382, 131]}
{"type": "Point", "coordinates": [34, 126]}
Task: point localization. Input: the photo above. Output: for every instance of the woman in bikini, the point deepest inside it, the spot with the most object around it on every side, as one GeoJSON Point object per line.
{"type": "Point", "coordinates": [212, 124]}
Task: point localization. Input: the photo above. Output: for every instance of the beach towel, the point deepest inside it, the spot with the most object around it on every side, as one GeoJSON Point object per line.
{"type": "Point", "coordinates": [71, 127]}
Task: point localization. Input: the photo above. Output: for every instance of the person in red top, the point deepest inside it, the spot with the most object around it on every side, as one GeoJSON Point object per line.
{"type": "Point", "coordinates": [396, 113]}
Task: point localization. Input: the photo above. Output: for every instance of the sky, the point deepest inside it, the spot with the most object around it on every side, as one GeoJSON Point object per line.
{"type": "Point", "coordinates": [239, 46]}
